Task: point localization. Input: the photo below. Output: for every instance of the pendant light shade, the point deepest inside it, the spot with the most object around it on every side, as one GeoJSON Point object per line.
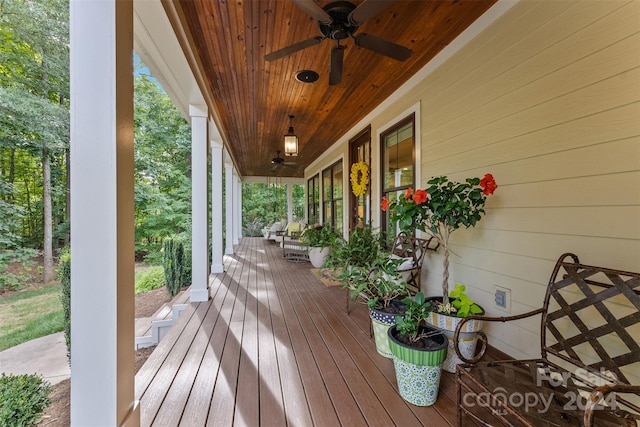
{"type": "Point", "coordinates": [290, 140]}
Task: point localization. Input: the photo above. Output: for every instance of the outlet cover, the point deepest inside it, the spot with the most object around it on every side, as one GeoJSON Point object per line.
{"type": "Point", "coordinates": [502, 298]}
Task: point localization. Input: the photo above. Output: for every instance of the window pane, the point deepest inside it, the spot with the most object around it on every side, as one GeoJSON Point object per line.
{"type": "Point", "coordinates": [328, 218]}
{"type": "Point", "coordinates": [338, 223]}
{"type": "Point", "coordinates": [316, 189]}
{"type": "Point", "coordinates": [393, 229]}
{"type": "Point", "coordinates": [405, 162]}
{"type": "Point", "coordinates": [337, 181]}
{"type": "Point", "coordinates": [398, 157]}
{"type": "Point", "coordinates": [397, 148]}
{"type": "Point", "coordinates": [326, 184]}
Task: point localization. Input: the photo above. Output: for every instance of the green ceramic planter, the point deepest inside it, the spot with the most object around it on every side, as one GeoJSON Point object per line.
{"type": "Point", "coordinates": [418, 370]}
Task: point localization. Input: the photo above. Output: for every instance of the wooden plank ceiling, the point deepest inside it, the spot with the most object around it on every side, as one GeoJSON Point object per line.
{"type": "Point", "coordinates": [254, 98]}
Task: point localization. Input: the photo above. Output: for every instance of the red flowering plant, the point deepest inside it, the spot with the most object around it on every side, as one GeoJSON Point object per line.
{"type": "Point", "coordinates": [440, 209]}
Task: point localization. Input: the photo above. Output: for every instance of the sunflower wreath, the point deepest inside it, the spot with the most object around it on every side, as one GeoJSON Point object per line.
{"type": "Point", "coordinates": [359, 178]}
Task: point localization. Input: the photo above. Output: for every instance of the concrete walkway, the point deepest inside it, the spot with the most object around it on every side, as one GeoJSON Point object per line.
{"type": "Point", "coordinates": [46, 356]}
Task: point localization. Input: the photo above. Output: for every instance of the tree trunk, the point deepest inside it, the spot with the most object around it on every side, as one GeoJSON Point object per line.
{"type": "Point", "coordinates": [48, 227]}
{"type": "Point", "coordinates": [46, 189]}
{"type": "Point", "coordinates": [12, 173]}
{"type": "Point", "coordinates": [444, 239]}
{"type": "Point", "coordinates": [28, 223]}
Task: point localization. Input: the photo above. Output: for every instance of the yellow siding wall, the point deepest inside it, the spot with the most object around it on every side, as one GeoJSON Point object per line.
{"type": "Point", "coordinates": [547, 99]}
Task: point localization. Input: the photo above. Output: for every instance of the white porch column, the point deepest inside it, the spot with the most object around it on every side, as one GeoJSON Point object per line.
{"type": "Point", "coordinates": [289, 202]}
{"type": "Point", "coordinates": [236, 214]}
{"type": "Point", "coordinates": [199, 204]}
{"type": "Point", "coordinates": [217, 265]}
{"type": "Point", "coordinates": [102, 211]}
{"type": "Point", "coordinates": [239, 208]}
{"type": "Point", "coordinates": [228, 182]}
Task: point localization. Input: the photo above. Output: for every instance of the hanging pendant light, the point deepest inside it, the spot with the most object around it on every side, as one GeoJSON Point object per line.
{"type": "Point", "coordinates": [290, 140]}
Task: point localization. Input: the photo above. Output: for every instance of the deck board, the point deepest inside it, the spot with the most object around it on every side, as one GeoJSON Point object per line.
{"type": "Point", "coordinates": [275, 347]}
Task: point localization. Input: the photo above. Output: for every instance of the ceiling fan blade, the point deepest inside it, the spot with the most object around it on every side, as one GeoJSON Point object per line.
{"type": "Point", "coordinates": [312, 9]}
{"type": "Point", "coordinates": [335, 71]}
{"type": "Point", "coordinates": [367, 10]}
{"type": "Point", "coordinates": [290, 163]}
{"type": "Point", "coordinates": [384, 47]}
{"type": "Point", "coordinates": [275, 167]}
{"type": "Point", "coordinates": [286, 51]}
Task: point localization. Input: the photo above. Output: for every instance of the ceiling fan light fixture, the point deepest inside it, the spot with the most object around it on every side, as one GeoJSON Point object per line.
{"type": "Point", "coordinates": [290, 141]}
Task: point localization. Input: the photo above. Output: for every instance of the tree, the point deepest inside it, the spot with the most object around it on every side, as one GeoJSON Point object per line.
{"type": "Point", "coordinates": [162, 168]}
{"type": "Point", "coordinates": [35, 92]}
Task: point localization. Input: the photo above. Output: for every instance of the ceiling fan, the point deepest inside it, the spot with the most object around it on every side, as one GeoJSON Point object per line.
{"type": "Point", "coordinates": [337, 21]}
{"type": "Point", "coordinates": [278, 161]}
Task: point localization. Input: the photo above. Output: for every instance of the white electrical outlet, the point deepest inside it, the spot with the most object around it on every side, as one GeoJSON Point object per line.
{"type": "Point", "coordinates": [502, 298]}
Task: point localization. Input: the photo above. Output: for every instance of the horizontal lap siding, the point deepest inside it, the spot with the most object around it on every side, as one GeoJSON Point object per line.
{"type": "Point", "coordinates": [548, 100]}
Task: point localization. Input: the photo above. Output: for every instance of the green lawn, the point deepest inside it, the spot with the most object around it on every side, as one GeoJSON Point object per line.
{"type": "Point", "coordinates": [28, 315]}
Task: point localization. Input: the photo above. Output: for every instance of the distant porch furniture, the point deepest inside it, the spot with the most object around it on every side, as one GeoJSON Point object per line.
{"type": "Point", "coordinates": [293, 230]}
{"type": "Point", "coordinates": [271, 231]}
{"type": "Point", "coordinates": [294, 250]}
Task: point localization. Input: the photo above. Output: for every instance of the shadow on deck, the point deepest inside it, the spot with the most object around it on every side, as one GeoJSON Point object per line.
{"type": "Point", "coordinates": [275, 347]}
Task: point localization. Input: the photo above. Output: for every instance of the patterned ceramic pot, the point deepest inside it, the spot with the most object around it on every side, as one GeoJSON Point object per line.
{"type": "Point", "coordinates": [468, 338]}
{"type": "Point", "coordinates": [418, 370]}
{"type": "Point", "coordinates": [381, 322]}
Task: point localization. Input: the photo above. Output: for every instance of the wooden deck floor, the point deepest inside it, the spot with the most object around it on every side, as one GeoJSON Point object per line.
{"type": "Point", "coordinates": [275, 347]}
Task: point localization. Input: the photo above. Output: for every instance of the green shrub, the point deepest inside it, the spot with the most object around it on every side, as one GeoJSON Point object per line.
{"type": "Point", "coordinates": [149, 279]}
{"type": "Point", "coordinates": [23, 398]}
{"type": "Point", "coordinates": [154, 257]}
{"type": "Point", "coordinates": [186, 278]}
{"type": "Point", "coordinates": [185, 238]}
{"type": "Point", "coordinates": [320, 236]}
{"type": "Point", "coordinates": [364, 246]}
{"type": "Point", "coordinates": [64, 275]}
{"type": "Point", "coordinates": [11, 281]}
{"type": "Point", "coordinates": [173, 265]}
{"type": "Point", "coordinates": [15, 281]}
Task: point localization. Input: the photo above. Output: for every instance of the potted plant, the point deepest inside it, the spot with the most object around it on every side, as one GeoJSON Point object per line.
{"type": "Point", "coordinates": [364, 245]}
{"type": "Point", "coordinates": [378, 284]}
{"type": "Point", "coordinates": [439, 210]}
{"type": "Point", "coordinates": [319, 239]}
{"type": "Point", "coordinates": [446, 316]}
{"type": "Point", "coordinates": [418, 353]}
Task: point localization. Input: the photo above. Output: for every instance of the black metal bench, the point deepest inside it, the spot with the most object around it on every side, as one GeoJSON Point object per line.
{"type": "Point", "coordinates": [590, 344]}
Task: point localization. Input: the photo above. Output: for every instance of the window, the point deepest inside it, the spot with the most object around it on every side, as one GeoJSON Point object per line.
{"type": "Point", "coordinates": [332, 203]}
{"type": "Point", "coordinates": [398, 169]}
{"type": "Point", "coordinates": [313, 199]}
